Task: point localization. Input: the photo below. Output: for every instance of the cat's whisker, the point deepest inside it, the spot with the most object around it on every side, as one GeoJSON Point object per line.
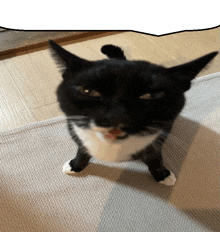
{"type": "Point", "coordinates": [152, 128]}
{"type": "Point", "coordinates": [77, 117]}
{"type": "Point", "coordinates": [99, 129]}
{"type": "Point", "coordinates": [78, 120]}
{"type": "Point", "coordinates": [172, 137]}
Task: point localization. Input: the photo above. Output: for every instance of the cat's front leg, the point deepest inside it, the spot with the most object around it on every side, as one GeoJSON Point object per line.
{"type": "Point", "coordinates": [152, 157]}
{"type": "Point", "coordinates": [160, 173]}
{"type": "Point", "coordinates": [78, 163]}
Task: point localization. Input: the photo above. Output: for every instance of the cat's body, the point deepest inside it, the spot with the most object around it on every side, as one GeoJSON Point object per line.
{"type": "Point", "coordinates": [120, 110]}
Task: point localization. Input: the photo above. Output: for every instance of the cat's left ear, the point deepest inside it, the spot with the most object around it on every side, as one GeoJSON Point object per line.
{"type": "Point", "coordinates": [186, 72]}
{"type": "Point", "coordinates": [67, 60]}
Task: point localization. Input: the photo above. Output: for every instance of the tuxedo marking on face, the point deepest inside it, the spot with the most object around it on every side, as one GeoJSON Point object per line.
{"type": "Point", "coordinates": [110, 149]}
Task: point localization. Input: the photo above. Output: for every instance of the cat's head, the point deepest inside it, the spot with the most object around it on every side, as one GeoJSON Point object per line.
{"type": "Point", "coordinates": [134, 97]}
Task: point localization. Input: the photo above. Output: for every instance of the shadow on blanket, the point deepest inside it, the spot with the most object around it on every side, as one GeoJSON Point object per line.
{"type": "Point", "coordinates": [191, 152]}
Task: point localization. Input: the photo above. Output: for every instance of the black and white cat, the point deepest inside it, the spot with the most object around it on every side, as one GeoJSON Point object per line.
{"type": "Point", "coordinates": [120, 110]}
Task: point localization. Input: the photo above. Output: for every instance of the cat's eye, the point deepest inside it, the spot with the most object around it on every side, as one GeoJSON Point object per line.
{"type": "Point", "coordinates": [152, 95]}
{"type": "Point", "coordinates": [88, 91]}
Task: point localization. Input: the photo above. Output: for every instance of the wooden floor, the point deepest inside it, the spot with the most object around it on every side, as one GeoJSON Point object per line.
{"type": "Point", "coordinates": [14, 42]}
{"type": "Point", "coordinates": [28, 82]}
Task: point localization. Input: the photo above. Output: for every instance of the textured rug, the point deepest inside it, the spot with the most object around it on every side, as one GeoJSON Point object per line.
{"type": "Point", "coordinates": [111, 197]}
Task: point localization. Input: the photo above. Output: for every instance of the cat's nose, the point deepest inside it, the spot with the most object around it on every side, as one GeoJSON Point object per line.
{"type": "Point", "coordinates": [112, 121]}
{"type": "Point", "coordinates": [114, 117]}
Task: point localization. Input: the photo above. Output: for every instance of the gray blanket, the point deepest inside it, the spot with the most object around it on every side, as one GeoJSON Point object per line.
{"type": "Point", "coordinates": [111, 197]}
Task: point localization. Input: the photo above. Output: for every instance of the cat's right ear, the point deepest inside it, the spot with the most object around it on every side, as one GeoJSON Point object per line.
{"type": "Point", "coordinates": [67, 60]}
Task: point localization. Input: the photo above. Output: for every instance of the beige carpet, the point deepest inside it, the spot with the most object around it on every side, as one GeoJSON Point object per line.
{"type": "Point", "coordinates": [111, 197]}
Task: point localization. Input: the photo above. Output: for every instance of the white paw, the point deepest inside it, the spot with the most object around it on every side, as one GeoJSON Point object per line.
{"type": "Point", "coordinates": [67, 168]}
{"type": "Point", "coordinates": [169, 181]}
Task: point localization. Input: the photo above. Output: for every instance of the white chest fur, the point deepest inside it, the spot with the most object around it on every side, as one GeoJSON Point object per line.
{"type": "Point", "coordinates": [120, 150]}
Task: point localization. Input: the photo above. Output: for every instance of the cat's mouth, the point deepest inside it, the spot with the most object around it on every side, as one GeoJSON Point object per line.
{"type": "Point", "coordinates": [115, 133]}
{"type": "Point", "coordinates": [112, 134]}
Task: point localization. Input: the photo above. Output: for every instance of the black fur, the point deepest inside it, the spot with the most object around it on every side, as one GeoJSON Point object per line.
{"type": "Point", "coordinates": [113, 52]}
{"type": "Point", "coordinates": [120, 84]}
